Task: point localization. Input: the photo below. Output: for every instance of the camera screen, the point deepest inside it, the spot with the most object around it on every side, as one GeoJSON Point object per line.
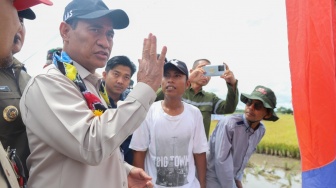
{"type": "Point", "coordinates": [221, 68]}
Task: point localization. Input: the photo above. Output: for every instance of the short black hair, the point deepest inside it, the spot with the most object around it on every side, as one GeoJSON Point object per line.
{"type": "Point", "coordinates": [120, 60]}
{"type": "Point", "coordinates": [196, 63]}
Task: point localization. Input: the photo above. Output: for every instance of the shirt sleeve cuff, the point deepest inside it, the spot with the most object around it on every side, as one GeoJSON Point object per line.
{"type": "Point", "coordinates": [128, 167]}
{"type": "Point", "coordinates": [144, 94]}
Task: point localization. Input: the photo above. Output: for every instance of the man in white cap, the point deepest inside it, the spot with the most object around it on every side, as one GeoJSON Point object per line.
{"type": "Point", "coordinates": [74, 138]}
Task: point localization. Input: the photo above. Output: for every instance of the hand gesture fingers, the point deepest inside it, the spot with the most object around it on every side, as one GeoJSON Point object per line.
{"type": "Point", "coordinates": [151, 67]}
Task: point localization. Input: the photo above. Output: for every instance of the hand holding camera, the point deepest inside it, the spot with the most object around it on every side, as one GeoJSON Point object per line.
{"type": "Point", "coordinates": [220, 70]}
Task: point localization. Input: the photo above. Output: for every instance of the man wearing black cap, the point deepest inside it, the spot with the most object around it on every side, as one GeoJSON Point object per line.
{"type": "Point", "coordinates": [13, 80]}
{"type": "Point", "coordinates": [208, 102]}
{"type": "Point", "coordinates": [73, 137]}
{"type": "Point", "coordinates": [236, 137]}
{"type": "Point", "coordinates": [171, 143]}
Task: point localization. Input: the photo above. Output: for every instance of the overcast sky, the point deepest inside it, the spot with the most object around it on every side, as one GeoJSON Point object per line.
{"type": "Point", "coordinates": [250, 36]}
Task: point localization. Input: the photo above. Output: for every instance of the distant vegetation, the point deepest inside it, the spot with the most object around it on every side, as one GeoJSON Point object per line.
{"type": "Point", "coordinates": [284, 110]}
{"type": "Point", "coordinates": [280, 110]}
{"type": "Point", "coordinates": [280, 138]}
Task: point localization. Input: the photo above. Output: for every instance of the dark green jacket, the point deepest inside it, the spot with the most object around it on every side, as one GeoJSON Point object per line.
{"type": "Point", "coordinates": [13, 80]}
{"type": "Point", "coordinates": [209, 103]}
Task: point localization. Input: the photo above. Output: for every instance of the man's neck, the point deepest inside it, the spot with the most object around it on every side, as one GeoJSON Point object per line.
{"type": "Point", "coordinates": [172, 107]}
{"type": "Point", "coordinates": [6, 62]}
{"type": "Point", "coordinates": [254, 125]}
{"type": "Point", "coordinates": [114, 97]}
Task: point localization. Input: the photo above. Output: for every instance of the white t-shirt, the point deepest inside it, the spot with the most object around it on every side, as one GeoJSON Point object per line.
{"type": "Point", "coordinates": [170, 142]}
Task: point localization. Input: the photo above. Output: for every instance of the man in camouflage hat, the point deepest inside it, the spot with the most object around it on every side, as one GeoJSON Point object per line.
{"type": "Point", "coordinates": [236, 137]}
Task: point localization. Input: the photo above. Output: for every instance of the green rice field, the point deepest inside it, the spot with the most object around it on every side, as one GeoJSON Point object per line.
{"type": "Point", "coordinates": [280, 138]}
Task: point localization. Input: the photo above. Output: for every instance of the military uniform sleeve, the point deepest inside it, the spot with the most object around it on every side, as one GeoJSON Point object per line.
{"type": "Point", "coordinates": [228, 105]}
{"type": "Point", "coordinates": [159, 95]}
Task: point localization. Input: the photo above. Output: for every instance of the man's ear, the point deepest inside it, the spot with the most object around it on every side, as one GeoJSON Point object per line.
{"type": "Point", "coordinates": [269, 114]}
{"type": "Point", "coordinates": [64, 30]}
{"type": "Point", "coordinates": [187, 84]}
{"type": "Point", "coordinates": [104, 75]}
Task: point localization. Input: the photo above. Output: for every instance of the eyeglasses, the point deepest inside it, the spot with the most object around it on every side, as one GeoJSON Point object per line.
{"type": "Point", "coordinates": [258, 105]}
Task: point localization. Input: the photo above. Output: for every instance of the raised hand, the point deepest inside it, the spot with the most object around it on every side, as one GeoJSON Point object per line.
{"type": "Point", "coordinates": [151, 67]}
{"type": "Point", "coordinates": [228, 76]}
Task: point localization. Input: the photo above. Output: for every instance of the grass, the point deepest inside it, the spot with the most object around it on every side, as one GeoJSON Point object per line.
{"type": "Point", "coordinates": [280, 138]}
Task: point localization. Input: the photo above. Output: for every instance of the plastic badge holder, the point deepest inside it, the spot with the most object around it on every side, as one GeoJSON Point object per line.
{"type": "Point", "coordinates": [214, 70]}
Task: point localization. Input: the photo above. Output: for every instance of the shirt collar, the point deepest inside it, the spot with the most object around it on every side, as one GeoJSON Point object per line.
{"type": "Point", "coordinates": [201, 91]}
{"type": "Point", "coordinates": [121, 98]}
{"type": "Point", "coordinates": [95, 78]}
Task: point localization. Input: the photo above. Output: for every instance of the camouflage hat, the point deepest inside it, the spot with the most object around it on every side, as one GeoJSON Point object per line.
{"type": "Point", "coordinates": [266, 96]}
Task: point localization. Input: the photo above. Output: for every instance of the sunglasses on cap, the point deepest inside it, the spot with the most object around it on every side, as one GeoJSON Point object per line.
{"type": "Point", "coordinates": [258, 105]}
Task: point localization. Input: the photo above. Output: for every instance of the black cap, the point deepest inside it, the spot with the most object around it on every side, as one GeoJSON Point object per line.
{"type": "Point", "coordinates": [28, 14]}
{"type": "Point", "coordinates": [177, 64]}
{"type": "Point", "coordinates": [92, 9]}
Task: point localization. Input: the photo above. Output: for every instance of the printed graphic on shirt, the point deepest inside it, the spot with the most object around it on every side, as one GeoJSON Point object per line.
{"type": "Point", "coordinates": [171, 161]}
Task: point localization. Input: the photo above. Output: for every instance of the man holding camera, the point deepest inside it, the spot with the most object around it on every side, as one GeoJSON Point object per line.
{"type": "Point", "coordinates": [208, 102]}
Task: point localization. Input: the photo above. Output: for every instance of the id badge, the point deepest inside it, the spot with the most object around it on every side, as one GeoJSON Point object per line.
{"type": "Point", "coordinates": [4, 89]}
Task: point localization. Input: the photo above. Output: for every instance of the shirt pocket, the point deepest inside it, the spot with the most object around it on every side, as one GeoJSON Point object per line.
{"type": "Point", "coordinates": [9, 95]}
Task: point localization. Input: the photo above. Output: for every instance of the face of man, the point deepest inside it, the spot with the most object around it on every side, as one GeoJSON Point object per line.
{"type": "Point", "coordinates": [19, 38]}
{"type": "Point", "coordinates": [174, 83]}
{"type": "Point", "coordinates": [90, 43]}
{"type": "Point", "coordinates": [9, 26]}
{"type": "Point", "coordinates": [201, 79]}
{"type": "Point", "coordinates": [117, 80]}
{"type": "Point", "coordinates": [255, 110]}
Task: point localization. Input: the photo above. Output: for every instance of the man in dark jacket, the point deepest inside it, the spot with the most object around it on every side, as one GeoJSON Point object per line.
{"type": "Point", "coordinates": [13, 80]}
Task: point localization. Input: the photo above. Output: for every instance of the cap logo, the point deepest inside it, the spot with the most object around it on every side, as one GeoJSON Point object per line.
{"type": "Point", "coordinates": [67, 15]}
{"type": "Point", "coordinates": [174, 61]}
{"type": "Point", "coordinates": [262, 90]}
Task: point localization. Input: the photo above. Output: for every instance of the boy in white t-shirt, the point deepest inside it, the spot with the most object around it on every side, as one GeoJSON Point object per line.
{"type": "Point", "coordinates": [171, 145]}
